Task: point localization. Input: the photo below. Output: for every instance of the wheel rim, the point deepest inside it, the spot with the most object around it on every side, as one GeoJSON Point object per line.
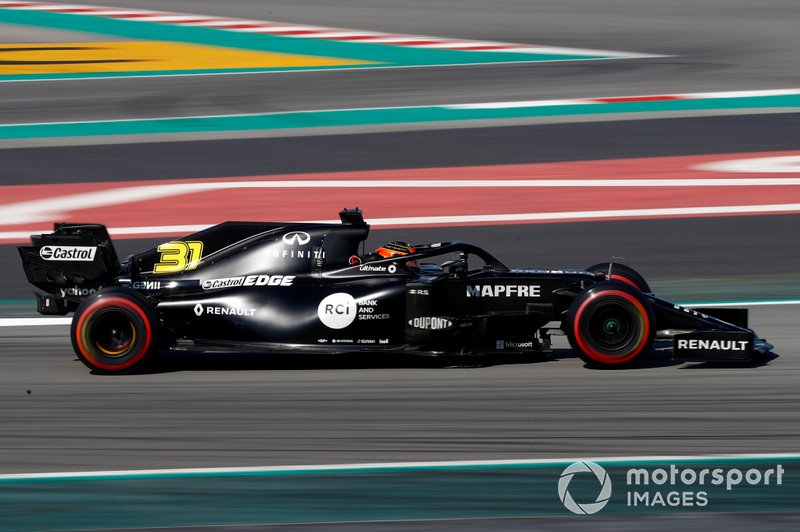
{"type": "Point", "coordinates": [85, 333]}
{"type": "Point", "coordinates": [612, 327]}
{"type": "Point", "coordinates": [114, 333]}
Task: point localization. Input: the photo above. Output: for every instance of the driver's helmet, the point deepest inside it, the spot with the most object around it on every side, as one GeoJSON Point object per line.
{"type": "Point", "coordinates": [397, 249]}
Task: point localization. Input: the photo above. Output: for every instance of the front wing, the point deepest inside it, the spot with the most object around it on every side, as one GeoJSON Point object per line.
{"type": "Point", "coordinates": [708, 334]}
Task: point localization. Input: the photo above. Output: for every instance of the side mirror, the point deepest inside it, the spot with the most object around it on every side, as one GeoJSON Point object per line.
{"type": "Point", "coordinates": [456, 267]}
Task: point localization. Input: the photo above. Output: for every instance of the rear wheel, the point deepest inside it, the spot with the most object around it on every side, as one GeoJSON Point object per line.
{"type": "Point", "coordinates": [114, 331]}
{"type": "Point", "coordinates": [610, 325]}
{"type": "Point", "coordinates": [621, 273]}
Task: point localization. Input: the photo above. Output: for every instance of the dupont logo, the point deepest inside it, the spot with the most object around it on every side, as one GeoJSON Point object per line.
{"type": "Point", "coordinates": [430, 323]}
{"type": "Point", "coordinates": [68, 253]}
{"type": "Point", "coordinates": [296, 238]}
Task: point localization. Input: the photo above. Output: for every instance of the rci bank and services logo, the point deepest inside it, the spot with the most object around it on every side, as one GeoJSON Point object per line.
{"type": "Point", "coordinates": [588, 507]}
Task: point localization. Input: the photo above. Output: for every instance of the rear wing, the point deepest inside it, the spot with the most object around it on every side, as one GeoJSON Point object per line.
{"type": "Point", "coordinates": [72, 262]}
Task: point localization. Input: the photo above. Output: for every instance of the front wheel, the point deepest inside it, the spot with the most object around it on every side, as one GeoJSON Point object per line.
{"type": "Point", "coordinates": [610, 325]}
{"type": "Point", "coordinates": [621, 273]}
{"type": "Point", "coordinates": [114, 331]}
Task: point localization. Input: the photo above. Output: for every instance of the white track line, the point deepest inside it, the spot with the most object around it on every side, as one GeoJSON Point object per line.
{"type": "Point", "coordinates": [742, 303]}
{"type": "Point", "coordinates": [461, 106]}
{"type": "Point", "coordinates": [41, 210]}
{"type": "Point", "coordinates": [33, 322]}
{"type": "Point", "coordinates": [390, 465]}
{"type": "Point", "coordinates": [257, 72]}
{"type": "Point", "coordinates": [627, 99]}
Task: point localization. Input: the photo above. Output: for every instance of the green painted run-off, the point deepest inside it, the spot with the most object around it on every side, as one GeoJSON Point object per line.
{"type": "Point", "coordinates": [362, 117]}
{"type": "Point", "coordinates": [375, 493]}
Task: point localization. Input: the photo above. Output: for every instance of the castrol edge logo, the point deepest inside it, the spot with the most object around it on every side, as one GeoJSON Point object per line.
{"type": "Point", "coordinates": [68, 253]}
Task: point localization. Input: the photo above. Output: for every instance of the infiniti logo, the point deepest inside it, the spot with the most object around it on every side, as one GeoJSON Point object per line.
{"type": "Point", "coordinates": [296, 237]}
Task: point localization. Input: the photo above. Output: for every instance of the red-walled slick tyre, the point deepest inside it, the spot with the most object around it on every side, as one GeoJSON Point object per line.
{"type": "Point", "coordinates": [623, 274]}
{"type": "Point", "coordinates": [610, 325]}
{"type": "Point", "coordinates": [114, 331]}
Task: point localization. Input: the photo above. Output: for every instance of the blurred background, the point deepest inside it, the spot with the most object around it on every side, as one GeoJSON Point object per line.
{"type": "Point", "coordinates": [662, 132]}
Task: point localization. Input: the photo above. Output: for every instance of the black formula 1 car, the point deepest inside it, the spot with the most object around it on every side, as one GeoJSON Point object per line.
{"type": "Point", "coordinates": [251, 286]}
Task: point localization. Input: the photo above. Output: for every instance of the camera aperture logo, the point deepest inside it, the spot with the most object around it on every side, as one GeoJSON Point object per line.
{"type": "Point", "coordinates": [589, 507]}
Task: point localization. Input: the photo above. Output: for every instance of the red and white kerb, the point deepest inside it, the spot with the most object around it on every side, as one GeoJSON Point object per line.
{"type": "Point", "coordinates": [285, 29]}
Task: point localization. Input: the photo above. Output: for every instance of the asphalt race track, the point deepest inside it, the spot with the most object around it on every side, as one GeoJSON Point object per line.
{"type": "Point", "coordinates": [222, 410]}
{"type": "Point", "coordinates": [245, 410]}
{"type": "Point", "coordinates": [419, 149]}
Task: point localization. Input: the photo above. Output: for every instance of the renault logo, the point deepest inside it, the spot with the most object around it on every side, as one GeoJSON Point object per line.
{"type": "Point", "coordinates": [296, 237]}
{"type": "Point", "coordinates": [198, 309]}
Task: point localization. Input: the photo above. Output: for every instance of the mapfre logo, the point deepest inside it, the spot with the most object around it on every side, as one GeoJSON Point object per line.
{"type": "Point", "coordinates": [589, 507]}
{"type": "Point", "coordinates": [68, 253]}
{"type": "Point", "coordinates": [337, 311]}
{"type": "Point", "coordinates": [296, 238]}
